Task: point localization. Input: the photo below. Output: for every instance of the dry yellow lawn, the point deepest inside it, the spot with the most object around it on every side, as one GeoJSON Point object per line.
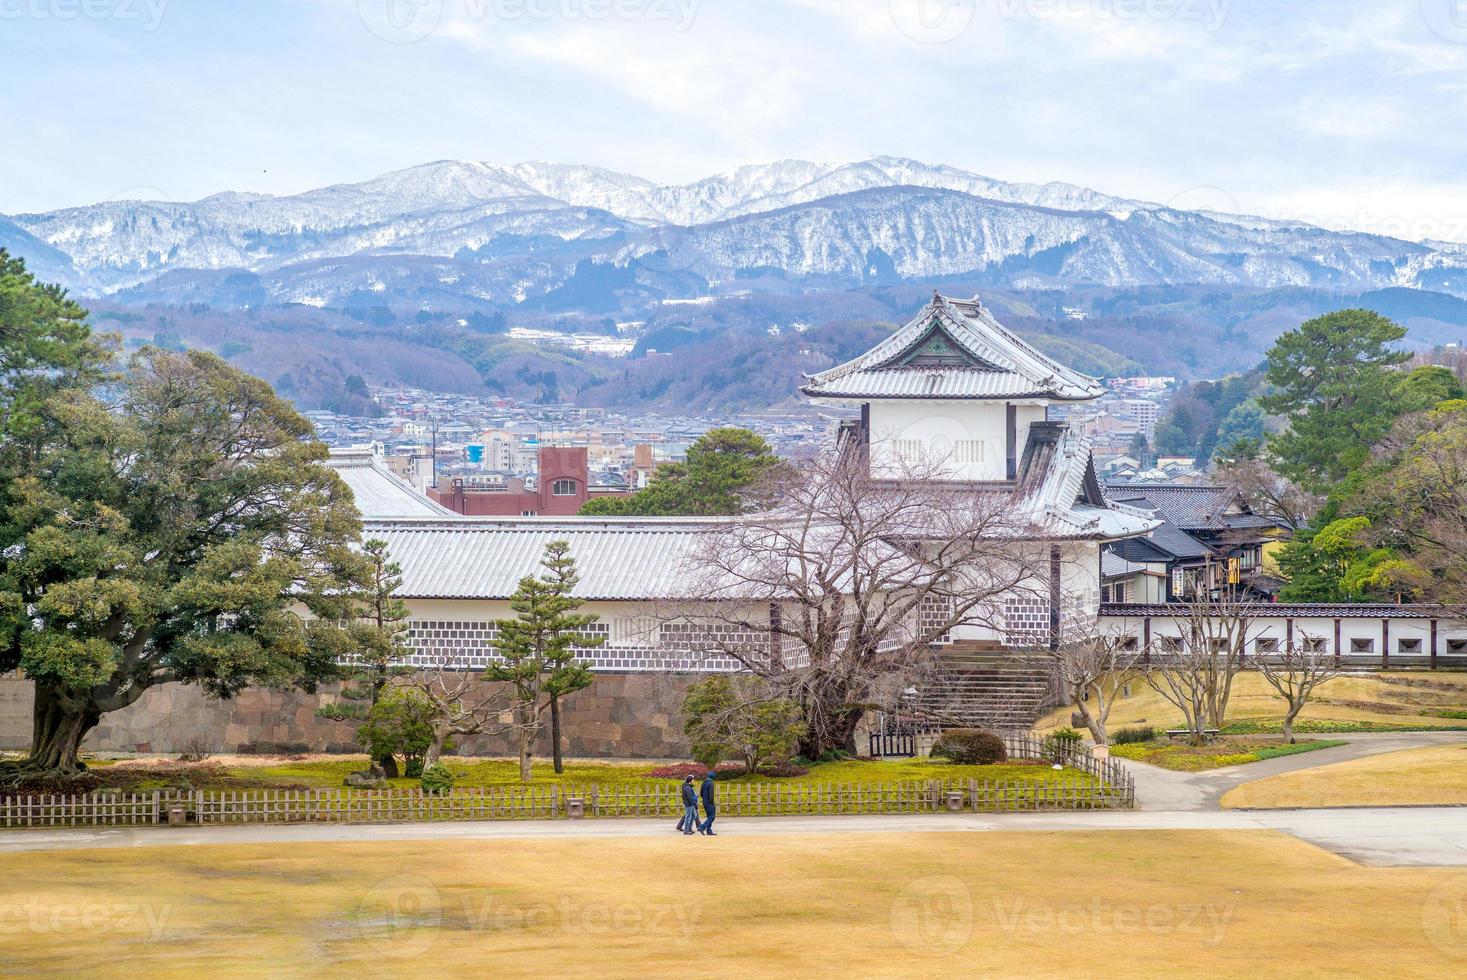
{"type": "Point", "coordinates": [950, 904]}
{"type": "Point", "coordinates": [1356, 698]}
{"type": "Point", "coordinates": [1412, 776]}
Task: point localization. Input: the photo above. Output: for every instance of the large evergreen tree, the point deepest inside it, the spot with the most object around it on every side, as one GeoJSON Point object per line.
{"type": "Point", "coordinates": [723, 473]}
{"type": "Point", "coordinates": [1332, 379]}
{"type": "Point", "coordinates": [178, 531]}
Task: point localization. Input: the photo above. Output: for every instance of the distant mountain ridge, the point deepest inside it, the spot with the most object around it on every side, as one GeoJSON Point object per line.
{"type": "Point", "coordinates": [471, 235]}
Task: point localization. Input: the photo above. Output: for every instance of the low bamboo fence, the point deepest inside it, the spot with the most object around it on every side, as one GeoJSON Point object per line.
{"type": "Point", "coordinates": [1087, 784]}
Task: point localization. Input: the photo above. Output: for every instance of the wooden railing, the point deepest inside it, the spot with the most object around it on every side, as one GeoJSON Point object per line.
{"type": "Point", "coordinates": [1088, 784]}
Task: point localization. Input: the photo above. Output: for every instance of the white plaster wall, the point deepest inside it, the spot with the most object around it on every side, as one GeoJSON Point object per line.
{"type": "Point", "coordinates": [939, 426]}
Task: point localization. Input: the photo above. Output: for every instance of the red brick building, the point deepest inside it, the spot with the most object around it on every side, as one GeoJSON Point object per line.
{"type": "Point", "coordinates": [563, 486]}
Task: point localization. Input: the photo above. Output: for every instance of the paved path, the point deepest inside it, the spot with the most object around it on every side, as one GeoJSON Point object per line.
{"type": "Point", "coordinates": [1164, 789]}
{"type": "Point", "coordinates": [1392, 836]}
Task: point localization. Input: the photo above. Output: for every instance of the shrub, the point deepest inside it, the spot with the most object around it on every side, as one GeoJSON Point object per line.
{"type": "Point", "coordinates": [1129, 736]}
{"type": "Point", "coordinates": [784, 770]}
{"type": "Point", "coordinates": [678, 770]}
{"type": "Point", "coordinates": [1060, 744]}
{"type": "Point", "coordinates": [437, 779]}
{"type": "Point", "coordinates": [970, 747]}
{"type": "Point", "coordinates": [724, 718]}
{"type": "Point", "coordinates": [401, 724]}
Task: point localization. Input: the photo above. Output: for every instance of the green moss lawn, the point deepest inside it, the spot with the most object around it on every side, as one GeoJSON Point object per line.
{"type": "Point", "coordinates": [328, 772]}
{"type": "Point", "coordinates": [1229, 750]}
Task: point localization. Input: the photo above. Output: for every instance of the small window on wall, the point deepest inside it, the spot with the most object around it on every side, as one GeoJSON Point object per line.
{"type": "Point", "coordinates": [908, 450]}
{"type": "Point", "coordinates": [1409, 645]}
{"type": "Point", "coordinates": [1266, 644]}
{"type": "Point", "coordinates": [1318, 644]}
{"type": "Point", "coordinates": [968, 451]}
{"type": "Point", "coordinates": [1457, 646]}
{"type": "Point", "coordinates": [563, 488]}
{"type": "Point", "coordinates": [1170, 644]}
{"type": "Point", "coordinates": [1358, 645]}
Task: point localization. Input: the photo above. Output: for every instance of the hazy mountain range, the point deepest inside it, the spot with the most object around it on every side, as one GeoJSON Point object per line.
{"type": "Point", "coordinates": [467, 236]}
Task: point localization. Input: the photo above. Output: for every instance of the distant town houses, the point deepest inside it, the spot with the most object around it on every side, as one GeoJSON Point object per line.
{"type": "Point", "coordinates": [1121, 425]}
{"type": "Point", "coordinates": [490, 456]}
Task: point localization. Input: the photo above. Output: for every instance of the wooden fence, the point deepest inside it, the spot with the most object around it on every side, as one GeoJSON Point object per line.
{"type": "Point", "coordinates": [1089, 784]}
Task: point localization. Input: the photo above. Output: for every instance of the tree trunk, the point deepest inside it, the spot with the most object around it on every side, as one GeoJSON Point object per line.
{"type": "Point", "coordinates": [839, 735]}
{"type": "Point", "coordinates": [1289, 724]}
{"type": "Point", "coordinates": [1093, 724]}
{"type": "Point", "coordinates": [435, 749]}
{"type": "Point", "coordinates": [527, 740]}
{"type": "Point", "coordinates": [60, 720]}
{"type": "Point", "coordinates": [555, 734]}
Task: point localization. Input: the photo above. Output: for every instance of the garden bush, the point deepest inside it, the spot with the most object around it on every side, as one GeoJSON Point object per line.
{"type": "Point", "coordinates": [724, 717]}
{"type": "Point", "coordinates": [400, 724]}
{"type": "Point", "coordinates": [1129, 736]}
{"type": "Point", "coordinates": [1061, 743]}
{"type": "Point", "coordinates": [437, 779]}
{"type": "Point", "coordinates": [970, 746]}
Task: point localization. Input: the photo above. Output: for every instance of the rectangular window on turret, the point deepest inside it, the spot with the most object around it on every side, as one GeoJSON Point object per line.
{"type": "Point", "coordinates": [908, 450]}
{"type": "Point", "coordinates": [968, 451]}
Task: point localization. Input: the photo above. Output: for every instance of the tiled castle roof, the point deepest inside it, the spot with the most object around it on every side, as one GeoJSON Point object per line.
{"type": "Point", "coordinates": [953, 349]}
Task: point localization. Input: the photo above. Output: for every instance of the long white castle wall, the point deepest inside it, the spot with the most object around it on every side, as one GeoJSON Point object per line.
{"type": "Point", "coordinates": [1400, 637]}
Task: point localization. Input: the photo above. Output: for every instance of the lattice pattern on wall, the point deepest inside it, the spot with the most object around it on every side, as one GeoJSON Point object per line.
{"type": "Point", "coordinates": [1026, 621]}
{"type": "Point", "coordinates": [469, 644]}
{"type": "Point", "coordinates": [932, 612]}
{"type": "Point", "coordinates": [1079, 613]}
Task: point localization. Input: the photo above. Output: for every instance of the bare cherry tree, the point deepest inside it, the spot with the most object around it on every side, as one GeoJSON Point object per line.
{"type": "Point", "coordinates": [1194, 672]}
{"type": "Point", "coordinates": [1295, 671]}
{"type": "Point", "coordinates": [1268, 493]}
{"type": "Point", "coordinates": [1092, 667]}
{"type": "Point", "coordinates": [463, 704]}
{"type": "Point", "coordinates": [849, 581]}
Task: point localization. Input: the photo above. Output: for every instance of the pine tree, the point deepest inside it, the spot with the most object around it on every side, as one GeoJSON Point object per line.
{"type": "Point", "coordinates": [377, 636]}
{"type": "Point", "coordinates": [538, 650]}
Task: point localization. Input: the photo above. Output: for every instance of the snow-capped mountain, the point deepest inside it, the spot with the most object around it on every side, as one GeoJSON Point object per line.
{"type": "Point", "coordinates": [507, 234]}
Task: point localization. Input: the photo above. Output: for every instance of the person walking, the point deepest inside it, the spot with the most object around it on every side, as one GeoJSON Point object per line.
{"type": "Point", "coordinates": [709, 807]}
{"type": "Point", "coordinates": [689, 823]}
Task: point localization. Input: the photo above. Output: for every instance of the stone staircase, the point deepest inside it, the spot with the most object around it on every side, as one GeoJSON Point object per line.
{"type": "Point", "coordinates": [981, 685]}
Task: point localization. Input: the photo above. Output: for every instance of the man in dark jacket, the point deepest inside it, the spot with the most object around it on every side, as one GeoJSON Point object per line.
{"type": "Point", "coordinates": [706, 791]}
{"type": "Point", "coordinates": [689, 822]}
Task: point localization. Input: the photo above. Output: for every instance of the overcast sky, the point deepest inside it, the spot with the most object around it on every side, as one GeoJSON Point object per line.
{"type": "Point", "coordinates": [1349, 112]}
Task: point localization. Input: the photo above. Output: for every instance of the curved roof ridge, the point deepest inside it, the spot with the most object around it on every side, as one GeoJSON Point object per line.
{"type": "Point", "coordinates": [1015, 367]}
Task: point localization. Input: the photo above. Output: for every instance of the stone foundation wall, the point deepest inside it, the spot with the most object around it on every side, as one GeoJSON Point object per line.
{"type": "Point", "coordinates": [629, 716]}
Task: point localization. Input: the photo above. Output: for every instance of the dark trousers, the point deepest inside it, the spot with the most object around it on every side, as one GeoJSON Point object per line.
{"type": "Point", "coordinates": [712, 812]}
